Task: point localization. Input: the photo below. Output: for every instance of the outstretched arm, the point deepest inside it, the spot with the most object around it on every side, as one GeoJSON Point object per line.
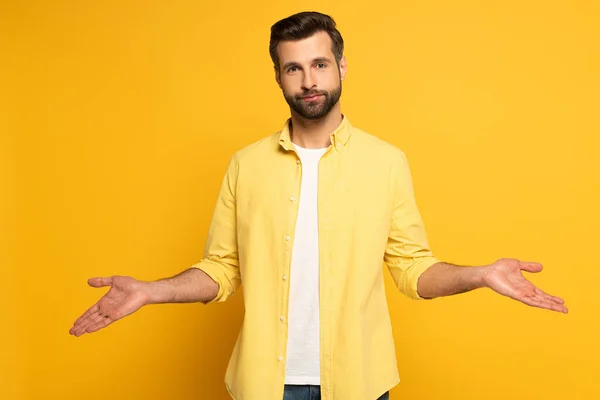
{"type": "Point", "coordinates": [127, 295]}
{"type": "Point", "coordinates": [420, 275]}
{"type": "Point", "coordinates": [190, 286]}
{"type": "Point", "coordinates": [214, 278]}
{"type": "Point", "coordinates": [504, 277]}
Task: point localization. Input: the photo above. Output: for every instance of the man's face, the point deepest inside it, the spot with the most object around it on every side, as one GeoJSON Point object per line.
{"type": "Point", "coordinates": [309, 75]}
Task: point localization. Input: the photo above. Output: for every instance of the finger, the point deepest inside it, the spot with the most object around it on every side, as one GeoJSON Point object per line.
{"type": "Point", "coordinates": [549, 297]}
{"type": "Point", "coordinates": [550, 305]}
{"type": "Point", "coordinates": [90, 321]}
{"type": "Point", "coordinates": [531, 266]}
{"type": "Point", "coordinates": [80, 328]}
{"type": "Point", "coordinates": [100, 282]}
{"type": "Point", "coordinates": [100, 322]}
{"type": "Point", "coordinates": [538, 301]}
{"type": "Point", "coordinates": [533, 301]}
{"type": "Point", "coordinates": [86, 314]}
{"type": "Point", "coordinates": [81, 320]}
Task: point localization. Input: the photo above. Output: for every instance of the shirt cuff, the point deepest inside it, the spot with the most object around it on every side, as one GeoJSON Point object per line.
{"type": "Point", "coordinates": [215, 272]}
{"type": "Point", "coordinates": [414, 272]}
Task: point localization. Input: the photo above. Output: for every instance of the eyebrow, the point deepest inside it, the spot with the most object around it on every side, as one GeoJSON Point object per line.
{"type": "Point", "coordinates": [316, 60]}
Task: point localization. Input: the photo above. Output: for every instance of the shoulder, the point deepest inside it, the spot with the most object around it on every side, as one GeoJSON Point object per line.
{"type": "Point", "coordinates": [258, 149]}
{"type": "Point", "coordinates": [376, 147]}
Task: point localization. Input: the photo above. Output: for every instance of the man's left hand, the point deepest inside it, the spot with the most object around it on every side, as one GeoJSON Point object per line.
{"type": "Point", "coordinates": [505, 277]}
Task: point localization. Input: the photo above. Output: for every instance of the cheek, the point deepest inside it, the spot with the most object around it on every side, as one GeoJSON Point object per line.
{"type": "Point", "coordinates": [290, 85]}
{"type": "Point", "coordinates": [330, 79]}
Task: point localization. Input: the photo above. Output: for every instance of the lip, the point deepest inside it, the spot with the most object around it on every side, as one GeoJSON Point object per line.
{"type": "Point", "coordinates": [312, 98]}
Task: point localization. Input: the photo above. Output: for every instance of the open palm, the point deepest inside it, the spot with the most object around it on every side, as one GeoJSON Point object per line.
{"type": "Point", "coordinates": [505, 277]}
{"type": "Point", "coordinates": [124, 297]}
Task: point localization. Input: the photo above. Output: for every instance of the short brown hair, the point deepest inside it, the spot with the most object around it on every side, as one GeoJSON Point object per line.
{"type": "Point", "coordinates": [301, 26]}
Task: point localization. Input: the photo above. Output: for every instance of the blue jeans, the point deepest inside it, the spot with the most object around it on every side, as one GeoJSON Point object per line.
{"type": "Point", "coordinates": [311, 392]}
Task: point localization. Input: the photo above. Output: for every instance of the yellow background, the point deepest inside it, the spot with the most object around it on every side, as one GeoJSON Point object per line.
{"type": "Point", "coordinates": [118, 119]}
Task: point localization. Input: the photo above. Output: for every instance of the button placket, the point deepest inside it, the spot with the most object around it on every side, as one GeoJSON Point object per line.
{"type": "Point", "coordinates": [293, 202]}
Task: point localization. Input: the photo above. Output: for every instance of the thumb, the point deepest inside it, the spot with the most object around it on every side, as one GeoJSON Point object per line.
{"type": "Point", "coordinates": [99, 282]}
{"type": "Point", "coordinates": [531, 266]}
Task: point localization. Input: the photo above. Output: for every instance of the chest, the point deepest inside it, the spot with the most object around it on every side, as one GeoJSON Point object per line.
{"type": "Point", "coordinates": [343, 190]}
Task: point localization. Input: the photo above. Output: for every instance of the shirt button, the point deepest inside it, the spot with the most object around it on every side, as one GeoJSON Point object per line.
{"type": "Point", "coordinates": [339, 144]}
{"type": "Point", "coordinates": [284, 277]}
{"type": "Point", "coordinates": [282, 318]}
{"type": "Point", "coordinates": [280, 358]}
{"type": "Point", "coordinates": [292, 199]}
{"type": "Point", "coordinates": [297, 161]}
{"type": "Point", "coordinates": [287, 238]}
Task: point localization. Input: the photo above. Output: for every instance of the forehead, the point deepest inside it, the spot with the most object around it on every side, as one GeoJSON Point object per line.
{"type": "Point", "coordinates": [305, 50]}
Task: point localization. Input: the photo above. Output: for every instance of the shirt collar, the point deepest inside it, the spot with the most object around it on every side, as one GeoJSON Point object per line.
{"type": "Point", "coordinates": [339, 137]}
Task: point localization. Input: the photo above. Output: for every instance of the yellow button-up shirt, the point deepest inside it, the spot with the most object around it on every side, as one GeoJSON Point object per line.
{"type": "Point", "coordinates": [367, 216]}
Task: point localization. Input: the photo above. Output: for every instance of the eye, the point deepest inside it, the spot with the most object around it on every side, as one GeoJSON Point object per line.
{"type": "Point", "coordinates": [292, 69]}
{"type": "Point", "coordinates": [321, 65]}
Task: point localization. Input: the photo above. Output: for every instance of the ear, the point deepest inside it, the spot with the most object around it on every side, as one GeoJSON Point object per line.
{"type": "Point", "coordinates": [277, 76]}
{"type": "Point", "coordinates": [343, 68]}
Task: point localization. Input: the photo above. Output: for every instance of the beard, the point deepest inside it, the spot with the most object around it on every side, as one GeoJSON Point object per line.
{"type": "Point", "coordinates": [315, 109]}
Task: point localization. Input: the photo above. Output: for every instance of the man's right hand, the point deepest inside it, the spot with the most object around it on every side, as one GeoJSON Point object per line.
{"type": "Point", "coordinates": [126, 295]}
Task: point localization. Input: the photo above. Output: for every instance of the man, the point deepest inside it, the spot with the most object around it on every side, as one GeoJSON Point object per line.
{"type": "Point", "coordinates": [305, 219]}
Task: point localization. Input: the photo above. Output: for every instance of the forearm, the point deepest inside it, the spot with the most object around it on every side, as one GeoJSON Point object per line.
{"type": "Point", "coordinates": [190, 286]}
{"type": "Point", "coordinates": [444, 279]}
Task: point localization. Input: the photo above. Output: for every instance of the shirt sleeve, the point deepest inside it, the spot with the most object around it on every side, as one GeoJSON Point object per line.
{"type": "Point", "coordinates": [407, 253]}
{"type": "Point", "coordinates": [220, 260]}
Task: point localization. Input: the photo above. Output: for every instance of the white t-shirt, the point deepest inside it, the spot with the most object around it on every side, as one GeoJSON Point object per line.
{"type": "Point", "coordinates": [303, 347]}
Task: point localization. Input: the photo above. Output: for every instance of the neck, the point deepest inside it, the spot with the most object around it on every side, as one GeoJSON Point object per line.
{"type": "Point", "coordinates": [315, 133]}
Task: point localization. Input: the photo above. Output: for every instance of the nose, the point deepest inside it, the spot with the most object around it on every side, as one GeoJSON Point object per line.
{"type": "Point", "coordinates": [308, 81]}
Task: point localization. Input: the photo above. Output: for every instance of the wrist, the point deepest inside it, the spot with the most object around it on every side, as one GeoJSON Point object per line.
{"type": "Point", "coordinates": [154, 292]}
{"type": "Point", "coordinates": [478, 276]}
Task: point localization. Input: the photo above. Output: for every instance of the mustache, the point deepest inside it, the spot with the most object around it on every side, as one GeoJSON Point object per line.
{"type": "Point", "coordinates": [311, 93]}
